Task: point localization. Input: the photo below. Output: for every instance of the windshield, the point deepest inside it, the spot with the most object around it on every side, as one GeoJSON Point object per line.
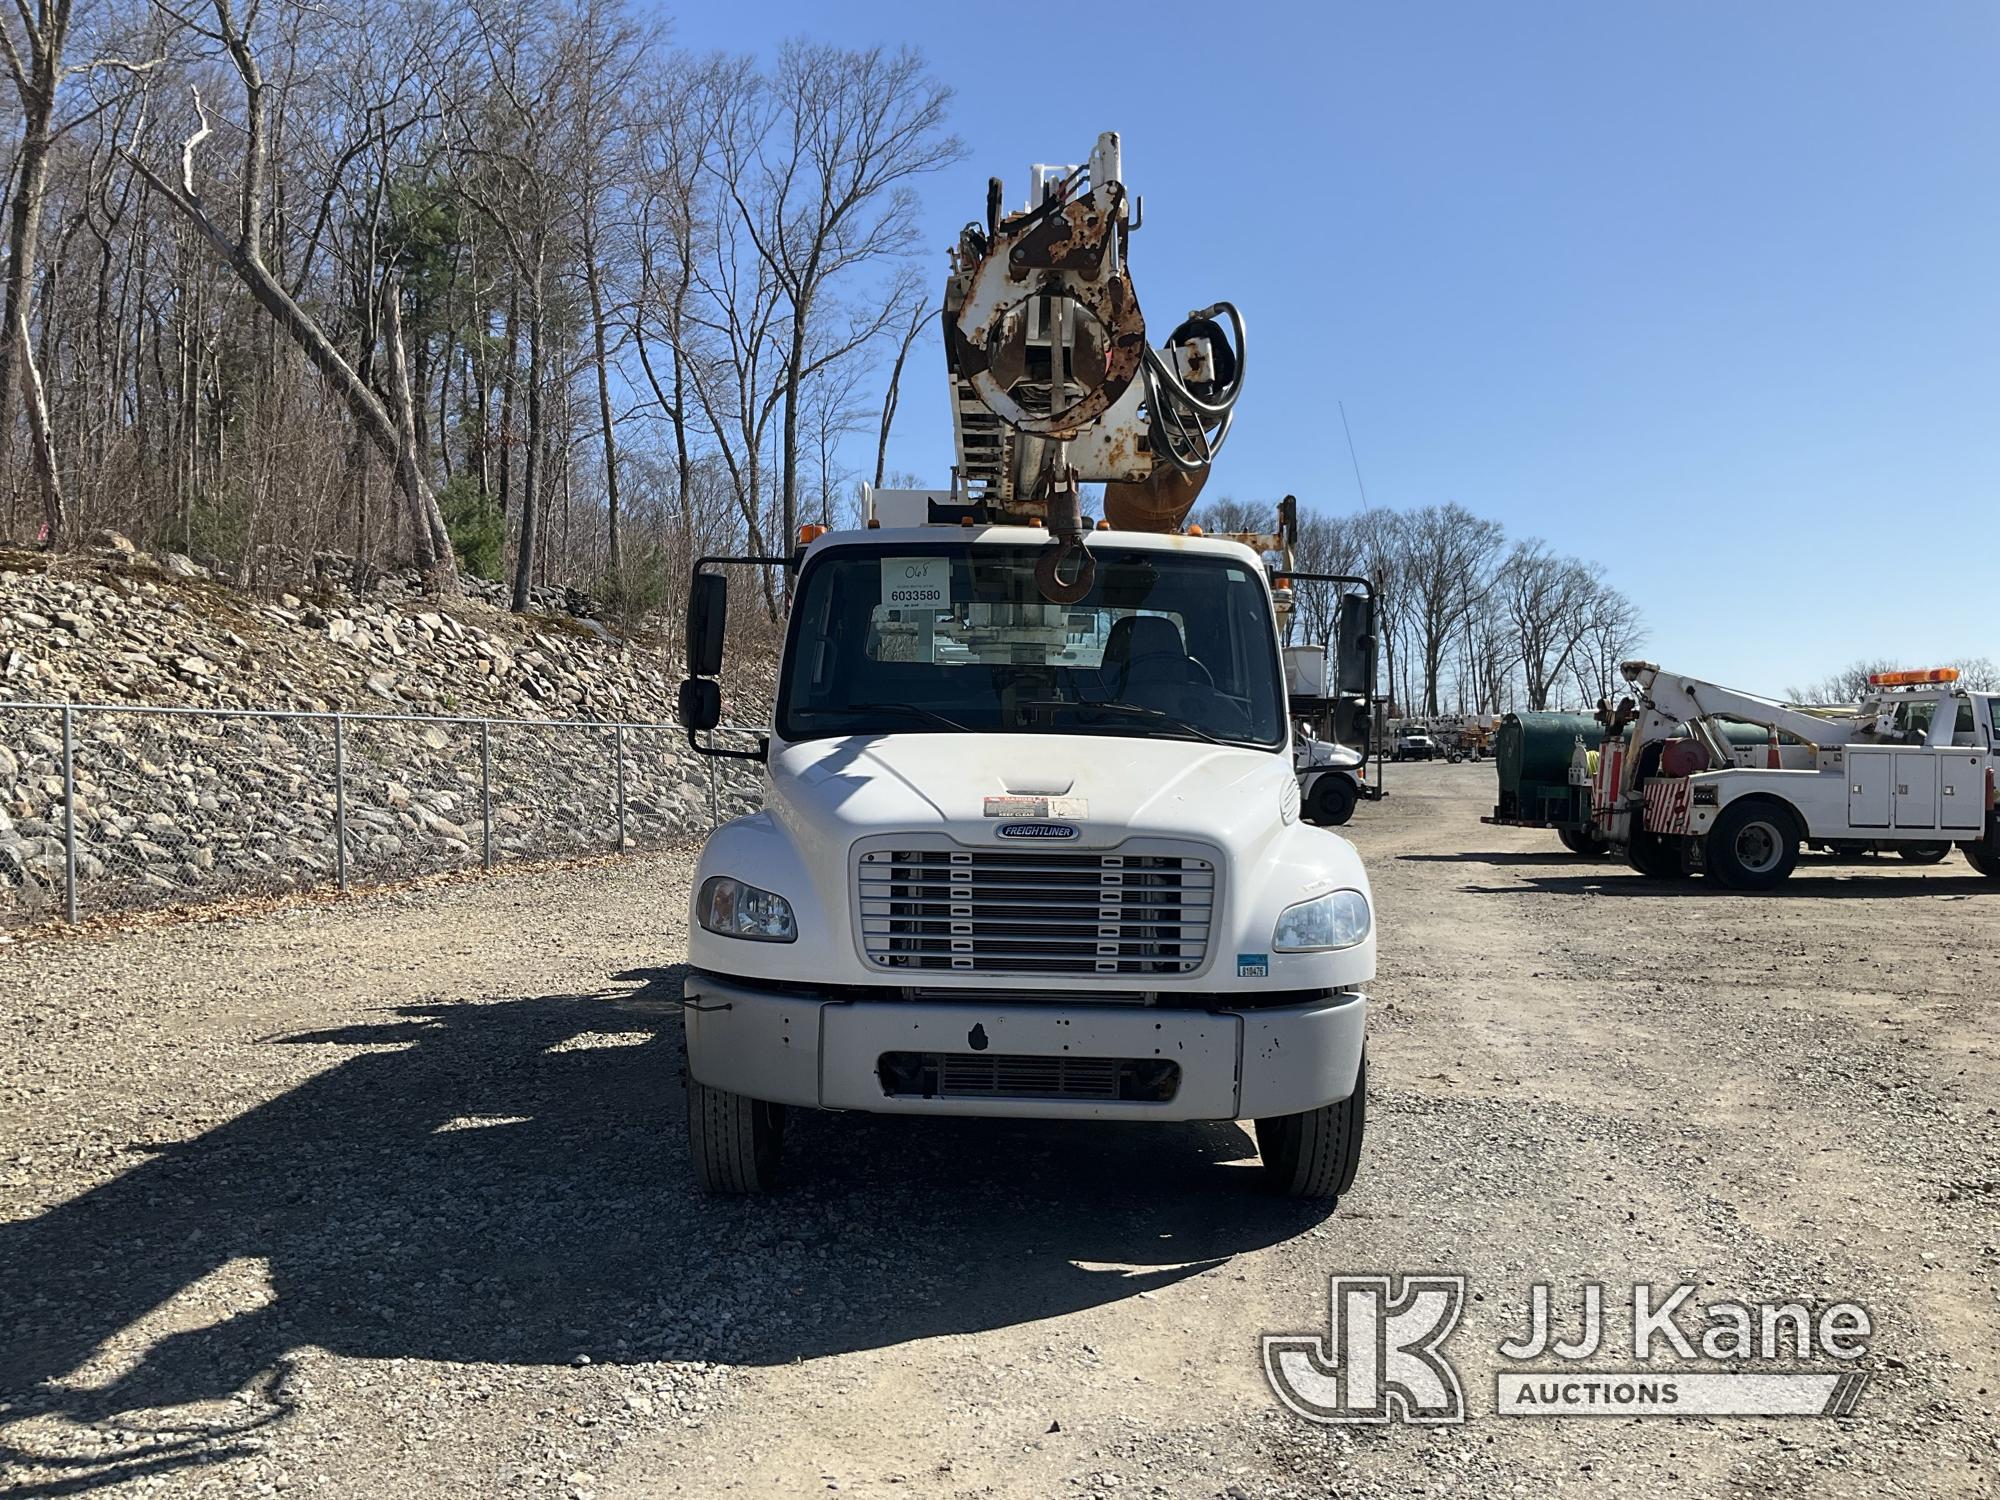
{"type": "Point", "coordinates": [951, 637]}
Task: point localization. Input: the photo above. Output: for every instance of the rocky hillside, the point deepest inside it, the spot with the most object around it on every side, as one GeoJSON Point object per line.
{"type": "Point", "coordinates": [118, 627]}
{"type": "Point", "coordinates": [176, 807]}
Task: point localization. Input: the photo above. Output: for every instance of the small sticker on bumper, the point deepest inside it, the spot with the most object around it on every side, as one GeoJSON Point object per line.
{"type": "Point", "coordinates": [1253, 966]}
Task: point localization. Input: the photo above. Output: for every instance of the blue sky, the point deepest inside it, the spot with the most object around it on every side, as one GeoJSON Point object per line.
{"type": "Point", "coordinates": [1708, 292]}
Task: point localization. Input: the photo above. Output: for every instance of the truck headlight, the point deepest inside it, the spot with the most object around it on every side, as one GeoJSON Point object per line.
{"type": "Point", "coordinates": [1339, 919]}
{"type": "Point", "coordinates": [739, 910]}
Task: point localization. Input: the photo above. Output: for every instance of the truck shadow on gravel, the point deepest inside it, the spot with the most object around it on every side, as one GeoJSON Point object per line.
{"type": "Point", "coordinates": [1856, 886]}
{"type": "Point", "coordinates": [506, 1183]}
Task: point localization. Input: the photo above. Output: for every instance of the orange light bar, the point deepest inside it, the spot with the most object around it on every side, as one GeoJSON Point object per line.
{"type": "Point", "coordinates": [1917, 678]}
{"type": "Point", "coordinates": [810, 533]}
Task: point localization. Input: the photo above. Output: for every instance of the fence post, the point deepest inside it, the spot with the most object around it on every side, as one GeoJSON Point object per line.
{"type": "Point", "coordinates": [618, 750]}
{"type": "Point", "coordinates": [339, 802]}
{"type": "Point", "coordinates": [69, 814]}
{"type": "Point", "coordinates": [485, 794]}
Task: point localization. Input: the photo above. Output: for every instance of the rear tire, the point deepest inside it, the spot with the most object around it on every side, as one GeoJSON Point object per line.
{"type": "Point", "coordinates": [1333, 799]}
{"type": "Point", "coordinates": [1654, 856]}
{"type": "Point", "coordinates": [1753, 845]}
{"type": "Point", "coordinates": [1316, 1154]}
{"type": "Point", "coordinates": [734, 1142]}
{"type": "Point", "coordinates": [1982, 857]}
{"type": "Point", "coordinates": [1583, 843]}
{"type": "Point", "coordinates": [1922, 854]}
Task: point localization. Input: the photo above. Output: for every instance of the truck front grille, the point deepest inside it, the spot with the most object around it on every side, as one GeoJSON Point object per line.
{"type": "Point", "coordinates": [1034, 911]}
{"type": "Point", "coordinates": [983, 1075]}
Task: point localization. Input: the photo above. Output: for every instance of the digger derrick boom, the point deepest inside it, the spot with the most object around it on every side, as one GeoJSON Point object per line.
{"type": "Point", "coordinates": [1054, 383]}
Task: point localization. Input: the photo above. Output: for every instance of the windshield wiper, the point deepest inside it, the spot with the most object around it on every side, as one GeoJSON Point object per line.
{"type": "Point", "coordinates": [1131, 710]}
{"type": "Point", "coordinates": [914, 710]}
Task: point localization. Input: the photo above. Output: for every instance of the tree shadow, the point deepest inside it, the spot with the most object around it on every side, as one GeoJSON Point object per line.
{"type": "Point", "coordinates": [506, 1182]}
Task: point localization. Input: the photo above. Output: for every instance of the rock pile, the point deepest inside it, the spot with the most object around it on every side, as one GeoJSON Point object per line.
{"type": "Point", "coordinates": [230, 797]}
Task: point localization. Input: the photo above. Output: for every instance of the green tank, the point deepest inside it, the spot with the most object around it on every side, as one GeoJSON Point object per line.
{"type": "Point", "coordinates": [1532, 753]}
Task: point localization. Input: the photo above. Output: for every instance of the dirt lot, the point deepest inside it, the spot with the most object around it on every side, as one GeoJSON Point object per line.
{"type": "Point", "coordinates": [388, 1197]}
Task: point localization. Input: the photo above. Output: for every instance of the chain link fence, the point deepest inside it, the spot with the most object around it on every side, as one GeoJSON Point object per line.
{"type": "Point", "coordinates": [106, 808]}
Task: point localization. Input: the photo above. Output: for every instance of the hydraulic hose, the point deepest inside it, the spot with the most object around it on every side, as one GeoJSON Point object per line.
{"type": "Point", "coordinates": [1186, 428]}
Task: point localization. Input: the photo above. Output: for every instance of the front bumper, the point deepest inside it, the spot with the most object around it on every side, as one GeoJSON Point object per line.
{"type": "Point", "coordinates": [799, 1048]}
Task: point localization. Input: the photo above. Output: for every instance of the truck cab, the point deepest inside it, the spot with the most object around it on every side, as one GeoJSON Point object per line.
{"type": "Point", "coordinates": [1020, 857]}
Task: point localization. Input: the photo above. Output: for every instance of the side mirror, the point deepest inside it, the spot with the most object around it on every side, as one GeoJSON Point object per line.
{"type": "Point", "coordinates": [1354, 645]}
{"type": "Point", "coordinates": [708, 613]}
{"type": "Point", "coordinates": [700, 703]}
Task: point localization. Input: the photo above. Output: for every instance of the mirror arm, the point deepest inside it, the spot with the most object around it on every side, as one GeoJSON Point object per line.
{"type": "Point", "coordinates": [761, 754]}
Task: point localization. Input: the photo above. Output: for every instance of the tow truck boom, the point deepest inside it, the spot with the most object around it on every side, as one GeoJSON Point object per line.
{"type": "Point", "coordinates": [1679, 699]}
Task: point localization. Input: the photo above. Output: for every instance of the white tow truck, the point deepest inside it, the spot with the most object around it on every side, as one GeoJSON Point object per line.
{"type": "Point", "coordinates": [1910, 769]}
{"type": "Point", "coordinates": [1031, 843]}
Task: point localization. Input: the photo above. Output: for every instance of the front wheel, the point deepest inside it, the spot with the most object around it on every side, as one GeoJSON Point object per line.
{"type": "Point", "coordinates": [1318, 1153]}
{"type": "Point", "coordinates": [734, 1142]}
{"type": "Point", "coordinates": [1333, 800]}
{"type": "Point", "coordinates": [1753, 846]}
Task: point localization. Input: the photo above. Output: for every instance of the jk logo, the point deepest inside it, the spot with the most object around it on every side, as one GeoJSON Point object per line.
{"type": "Point", "coordinates": [1379, 1361]}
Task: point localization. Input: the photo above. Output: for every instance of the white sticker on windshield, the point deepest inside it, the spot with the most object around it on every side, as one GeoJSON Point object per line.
{"type": "Point", "coordinates": [916, 582]}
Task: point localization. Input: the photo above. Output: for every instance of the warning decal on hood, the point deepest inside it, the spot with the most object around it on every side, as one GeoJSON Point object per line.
{"type": "Point", "coordinates": [1037, 807]}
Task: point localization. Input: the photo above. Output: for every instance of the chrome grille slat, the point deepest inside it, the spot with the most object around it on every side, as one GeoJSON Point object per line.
{"type": "Point", "coordinates": [1035, 912]}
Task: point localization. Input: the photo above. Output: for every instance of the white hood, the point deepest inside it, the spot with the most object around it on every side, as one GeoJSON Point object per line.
{"type": "Point", "coordinates": [1109, 788]}
{"type": "Point", "coordinates": [826, 796]}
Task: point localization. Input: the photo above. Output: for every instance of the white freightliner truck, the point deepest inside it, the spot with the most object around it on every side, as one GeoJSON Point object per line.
{"type": "Point", "coordinates": [1910, 768]}
{"type": "Point", "coordinates": [1031, 843]}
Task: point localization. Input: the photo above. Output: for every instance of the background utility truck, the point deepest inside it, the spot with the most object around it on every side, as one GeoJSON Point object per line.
{"type": "Point", "coordinates": [1910, 767]}
{"type": "Point", "coordinates": [1031, 843]}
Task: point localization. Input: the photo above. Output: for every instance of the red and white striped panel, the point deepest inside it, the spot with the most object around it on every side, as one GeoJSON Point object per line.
{"type": "Point", "coordinates": [1667, 802]}
{"type": "Point", "coordinates": [1610, 773]}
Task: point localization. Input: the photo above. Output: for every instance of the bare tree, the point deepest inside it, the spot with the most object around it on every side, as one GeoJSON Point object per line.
{"type": "Point", "coordinates": [1448, 561]}
{"type": "Point", "coordinates": [922, 311]}
{"type": "Point", "coordinates": [35, 62]}
{"type": "Point", "coordinates": [242, 249]}
{"type": "Point", "coordinates": [1612, 632]}
{"type": "Point", "coordinates": [1326, 544]}
{"type": "Point", "coordinates": [1550, 603]}
{"type": "Point", "coordinates": [821, 174]}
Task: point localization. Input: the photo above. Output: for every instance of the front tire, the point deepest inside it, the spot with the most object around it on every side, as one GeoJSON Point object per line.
{"type": "Point", "coordinates": [1333, 800]}
{"type": "Point", "coordinates": [1753, 846]}
{"type": "Point", "coordinates": [734, 1142]}
{"type": "Point", "coordinates": [1316, 1154]}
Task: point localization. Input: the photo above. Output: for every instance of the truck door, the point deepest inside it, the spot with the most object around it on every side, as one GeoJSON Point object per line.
{"type": "Point", "coordinates": [1961, 770]}
{"type": "Point", "coordinates": [1868, 788]}
{"type": "Point", "coordinates": [1916, 789]}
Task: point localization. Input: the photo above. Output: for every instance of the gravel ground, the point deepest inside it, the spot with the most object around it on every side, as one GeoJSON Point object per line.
{"type": "Point", "coordinates": [387, 1196]}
